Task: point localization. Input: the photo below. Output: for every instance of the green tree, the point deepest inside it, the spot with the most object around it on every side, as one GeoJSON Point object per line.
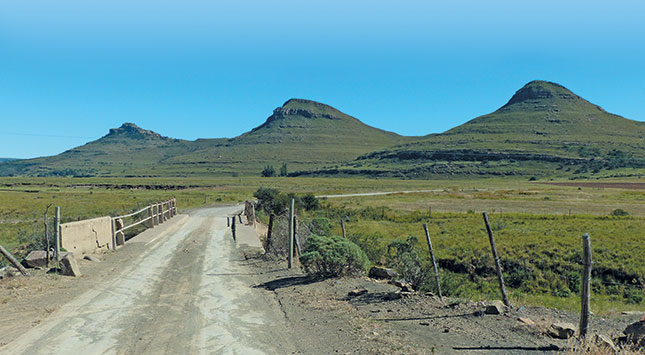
{"type": "Point", "coordinates": [283, 169]}
{"type": "Point", "coordinates": [268, 171]}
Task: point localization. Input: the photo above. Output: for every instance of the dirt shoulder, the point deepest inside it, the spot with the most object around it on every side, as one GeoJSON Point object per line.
{"type": "Point", "coordinates": [373, 323]}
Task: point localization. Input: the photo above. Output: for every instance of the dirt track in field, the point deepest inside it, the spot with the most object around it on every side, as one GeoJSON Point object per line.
{"type": "Point", "coordinates": [601, 185]}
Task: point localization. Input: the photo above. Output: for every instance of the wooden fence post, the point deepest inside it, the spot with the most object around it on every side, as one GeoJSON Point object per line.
{"type": "Point", "coordinates": [498, 268]}
{"type": "Point", "coordinates": [342, 226]}
{"type": "Point", "coordinates": [295, 234]}
{"type": "Point", "coordinates": [14, 261]}
{"type": "Point", "coordinates": [585, 294]}
{"type": "Point", "coordinates": [47, 251]}
{"type": "Point", "coordinates": [233, 227]}
{"type": "Point", "coordinates": [57, 231]}
{"type": "Point", "coordinates": [151, 222]}
{"type": "Point", "coordinates": [434, 262]}
{"type": "Point", "coordinates": [161, 219]}
{"type": "Point", "coordinates": [271, 217]}
{"type": "Point", "coordinates": [291, 208]}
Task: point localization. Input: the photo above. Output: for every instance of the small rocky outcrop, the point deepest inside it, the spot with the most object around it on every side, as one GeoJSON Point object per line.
{"type": "Point", "coordinates": [495, 308]}
{"type": "Point", "coordinates": [378, 272]}
{"type": "Point", "coordinates": [131, 130]}
{"type": "Point", "coordinates": [37, 259]}
{"type": "Point", "coordinates": [635, 333]}
{"type": "Point", "coordinates": [69, 266]}
{"type": "Point", "coordinates": [562, 330]}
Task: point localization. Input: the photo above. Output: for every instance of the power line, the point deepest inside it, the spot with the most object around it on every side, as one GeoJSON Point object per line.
{"type": "Point", "coordinates": [41, 135]}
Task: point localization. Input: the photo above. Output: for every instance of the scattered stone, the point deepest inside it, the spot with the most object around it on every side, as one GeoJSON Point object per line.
{"type": "Point", "coordinates": [425, 324]}
{"type": "Point", "coordinates": [495, 307]}
{"type": "Point", "coordinates": [36, 259]}
{"type": "Point", "coordinates": [446, 330]}
{"type": "Point", "coordinates": [605, 343]}
{"type": "Point", "coordinates": [478, 313]}
{"type": "Point", "coordinates": [92, 258]}
{"type": "Point", "coordinates": [643, 319]}
{"type": "Point", "coordinates": [635, 333]}
{"type": "Point", "coordinates": [3, 272]}
{"type": "Point", "coordinates": [69, 267]}
{"type": "Point", "coordinates": [357, 292]}
{"type": "Point", "coordinates": [526, 321]}
{"type": "Point", "coordinates": [390, 296]}
{"type": "Point", "coordinates": [378, 272]}
{"type": "Point", "coordinates": [521, 309]}
{"type": "Point", "coordinates": [562, 330]}
{"type": "Point", "coordinates": [404, 286]}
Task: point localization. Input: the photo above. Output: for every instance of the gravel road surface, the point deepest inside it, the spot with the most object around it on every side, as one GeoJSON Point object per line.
{"type": "Point", "coordinates": [187, 292]}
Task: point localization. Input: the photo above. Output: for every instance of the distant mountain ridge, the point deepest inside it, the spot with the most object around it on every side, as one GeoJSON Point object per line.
{"type": "Point", "coordinates": [544, 129]}
{"type": "Point", "coordinates": [303, 134]}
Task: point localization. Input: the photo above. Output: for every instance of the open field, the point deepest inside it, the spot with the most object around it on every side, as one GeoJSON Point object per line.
{"type": "Point", "coordinates": [538, 241]}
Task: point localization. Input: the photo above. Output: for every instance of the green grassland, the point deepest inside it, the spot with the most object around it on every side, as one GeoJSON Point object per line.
{"type": "Point", "coordinates": [539, 243]}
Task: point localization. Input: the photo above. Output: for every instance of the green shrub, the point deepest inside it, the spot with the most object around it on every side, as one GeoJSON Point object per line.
{"type": "Point", "coordinates": [371, 245]}
{"type": "Point", "coordinates": [309, 202]}
{"type": "Point", "coordinates": [619, 212]}
{"type": "Point", "coordinates": [320, 226]}
{"type": "Point", "coordinates": [268, 171]}
{"type": "Point", "coordinates": [634, 295]}
{"type": "Point", "coordinates": [332, 257]}
{"type": "Point", "coordinates": [406, 261]}
{"type": "Point", "coordinates": [271, 201]}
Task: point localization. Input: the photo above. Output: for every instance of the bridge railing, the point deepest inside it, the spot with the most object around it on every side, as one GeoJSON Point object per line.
{"type": "Point", "coordinates": [151, 215]}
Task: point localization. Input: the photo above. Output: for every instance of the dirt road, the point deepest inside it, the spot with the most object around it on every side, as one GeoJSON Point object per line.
{"type": "Point", "coordinates": [185, 293]}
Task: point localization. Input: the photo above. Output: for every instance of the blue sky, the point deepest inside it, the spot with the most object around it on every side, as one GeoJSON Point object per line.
{"type": "Point", "coordinates": [70, 70]}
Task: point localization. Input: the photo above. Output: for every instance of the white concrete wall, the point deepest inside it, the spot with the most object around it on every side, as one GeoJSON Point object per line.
{"type": "Point", "coordinates": [84, 237]}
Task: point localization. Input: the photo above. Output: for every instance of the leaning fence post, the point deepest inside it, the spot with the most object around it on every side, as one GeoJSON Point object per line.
{"type": "Point", "coordinates": [291, 208]}
{"type": "Point", "coordinates": [295, 234]}
{"type": "Point", "coordinates": [342, 226]}
{"type": "Point", "coordinates": [14, 261]}
{"type": "Point", "coordinates": [434, 262]}
{"type": "Point", "coordinates": [585, 295]}
{"type": "Point", "coordinates": [57, 232]}
{"type": "Point", "coordinates": [498, 268]}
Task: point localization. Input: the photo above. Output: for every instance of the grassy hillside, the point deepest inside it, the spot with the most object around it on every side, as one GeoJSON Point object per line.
{"type": "Point", "coordinates": [543, 130]}
{"type": "Point", "coordinates": [303, 134]}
